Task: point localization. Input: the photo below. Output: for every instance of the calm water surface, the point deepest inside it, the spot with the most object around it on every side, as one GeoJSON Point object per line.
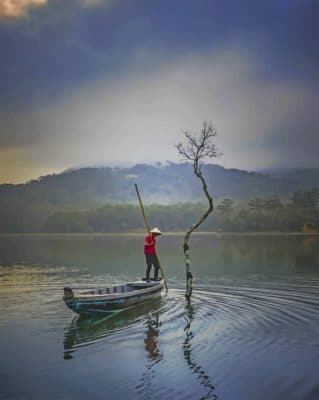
{"type": "Point", "coordinates": [250, 332]}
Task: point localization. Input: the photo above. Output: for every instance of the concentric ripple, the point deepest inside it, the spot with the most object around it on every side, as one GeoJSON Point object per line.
{"type": "Point", "coordinates": [251, 325]}
{"type": "Point", "coordinates": [250, 331]}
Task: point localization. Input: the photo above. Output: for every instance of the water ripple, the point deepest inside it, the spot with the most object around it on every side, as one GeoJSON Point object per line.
{"type": "Point", "coordinates": [219, 324]}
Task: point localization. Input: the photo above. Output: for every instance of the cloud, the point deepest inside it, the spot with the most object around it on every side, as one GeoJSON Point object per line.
{"type": "Point", "coordinates": [95, 3]}
{"type": "Point", "coordinates": [139, 118]}
{"type": "Point", "coordinates": [18, 8]}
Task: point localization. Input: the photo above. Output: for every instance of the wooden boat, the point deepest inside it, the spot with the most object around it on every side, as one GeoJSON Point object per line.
{"type": "Point", "coordinates": [112, 299]}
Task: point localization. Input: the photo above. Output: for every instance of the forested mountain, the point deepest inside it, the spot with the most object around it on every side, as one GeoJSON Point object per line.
{"type": "Point", "coordinates": [26, 207]}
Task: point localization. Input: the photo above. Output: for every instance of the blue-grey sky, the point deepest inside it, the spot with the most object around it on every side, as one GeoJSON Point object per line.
{"type": "Point", "coordinates": [93, 82]}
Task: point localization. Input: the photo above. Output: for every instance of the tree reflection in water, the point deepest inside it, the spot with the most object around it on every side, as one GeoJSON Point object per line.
{"type": "Point", "coordinates": [195, 367]}
{"type": "Point", "coordinates": [84, 331]}
{"type": "Point", "coordinates": [155, 355]}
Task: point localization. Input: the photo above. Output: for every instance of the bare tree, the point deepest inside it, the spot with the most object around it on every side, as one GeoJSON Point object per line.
{"type": "Point", "coordinates": [197, 148]}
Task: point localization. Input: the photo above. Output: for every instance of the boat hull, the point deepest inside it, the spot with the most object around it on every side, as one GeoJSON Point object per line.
{"type": "Point", "coordinates": [112, 303]}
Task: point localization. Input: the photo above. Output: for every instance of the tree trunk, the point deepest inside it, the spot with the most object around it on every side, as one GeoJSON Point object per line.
{"type": "Point", "coordinates": [191, 229]}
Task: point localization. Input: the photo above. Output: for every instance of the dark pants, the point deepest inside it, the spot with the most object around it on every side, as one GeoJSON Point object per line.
{"type": "Point", "coordinates": [151, 259]}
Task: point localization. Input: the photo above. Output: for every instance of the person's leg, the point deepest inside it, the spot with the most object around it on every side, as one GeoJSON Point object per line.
{"type": "Point", "coordinates": [156, 266]}
{"type": "Point", "coordinates": [148, 265]}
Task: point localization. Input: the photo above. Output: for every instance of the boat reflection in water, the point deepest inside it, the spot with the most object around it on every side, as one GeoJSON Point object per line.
{"type": "Point", "coordinates": [146, 324]}
{"type": "Point", "coordinates": [85, 330]}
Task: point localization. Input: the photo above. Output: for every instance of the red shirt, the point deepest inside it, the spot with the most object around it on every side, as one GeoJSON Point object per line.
{"type": "Point", "coordinates": [150, 249]}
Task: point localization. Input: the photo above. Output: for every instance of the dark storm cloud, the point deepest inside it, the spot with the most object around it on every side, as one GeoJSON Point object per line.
{"type": "Point", "coordinates": [80, 74]}
{"type": "Point", "coordinates": [64, 43]}
{"type": "Point", "coordinates": [107, 121]}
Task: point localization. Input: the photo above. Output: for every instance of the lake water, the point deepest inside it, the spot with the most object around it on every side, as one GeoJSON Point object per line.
{"type": "Point", "coordinates": [251, 331]}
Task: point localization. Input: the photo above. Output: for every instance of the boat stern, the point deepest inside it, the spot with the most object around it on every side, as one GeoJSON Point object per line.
{"type": "Point", "coordinates": [68, 293]}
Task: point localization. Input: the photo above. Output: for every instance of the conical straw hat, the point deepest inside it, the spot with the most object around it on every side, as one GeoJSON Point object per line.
{"type": "Point", "coordinates": [156, 230]}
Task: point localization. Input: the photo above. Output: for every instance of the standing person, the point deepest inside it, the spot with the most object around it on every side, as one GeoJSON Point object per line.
{"type": "Point", "coordinates": [150, 252]}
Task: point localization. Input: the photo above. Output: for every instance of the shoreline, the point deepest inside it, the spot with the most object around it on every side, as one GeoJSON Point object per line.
{"type": "Point", "coordinates": [178, 233]}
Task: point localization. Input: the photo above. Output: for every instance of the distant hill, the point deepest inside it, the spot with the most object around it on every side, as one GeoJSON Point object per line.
{"type": "Point", "coordinates": [25, 207]}
{"type": "Point", "coordinates": [300, 179]}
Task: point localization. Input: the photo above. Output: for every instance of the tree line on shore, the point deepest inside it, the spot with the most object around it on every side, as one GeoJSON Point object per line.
{"type": "Point", "coordinates": [259, 215]}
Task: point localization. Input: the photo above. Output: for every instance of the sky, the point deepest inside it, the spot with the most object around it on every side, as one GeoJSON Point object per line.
{"type": "Point", "coordinates": [116, 82]}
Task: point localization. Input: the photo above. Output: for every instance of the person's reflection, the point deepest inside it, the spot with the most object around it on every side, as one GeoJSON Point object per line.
{"type": "Point", "coordinates": [150, 341]}
{"type": "Point", "coordinates": [195, 367]}
{"type": "Point", "coordinates": [87, 329]}
{"type": "Point", "coordinates": [153, 353]}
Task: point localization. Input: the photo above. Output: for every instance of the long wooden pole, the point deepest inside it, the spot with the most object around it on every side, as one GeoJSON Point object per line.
{"type": "Point", "coordinates": [148, 230]}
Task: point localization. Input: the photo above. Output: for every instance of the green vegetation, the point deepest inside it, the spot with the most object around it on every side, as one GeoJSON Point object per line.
{"type": "Point", "coordinates": [123, 218]}
{"type": "Point", "coordinates": [270, 214]}
{"type": "Point", "coordinates": [103, 200]}
{"type": "Point", "coordinates": [260, 215]}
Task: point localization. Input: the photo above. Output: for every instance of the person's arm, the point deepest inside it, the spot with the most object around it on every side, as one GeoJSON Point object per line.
{"type": "Point", "coordinates": [149, 241]}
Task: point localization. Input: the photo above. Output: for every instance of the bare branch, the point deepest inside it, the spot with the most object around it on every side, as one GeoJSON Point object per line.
{"type": "Point", "coordinates": [196, 149]}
